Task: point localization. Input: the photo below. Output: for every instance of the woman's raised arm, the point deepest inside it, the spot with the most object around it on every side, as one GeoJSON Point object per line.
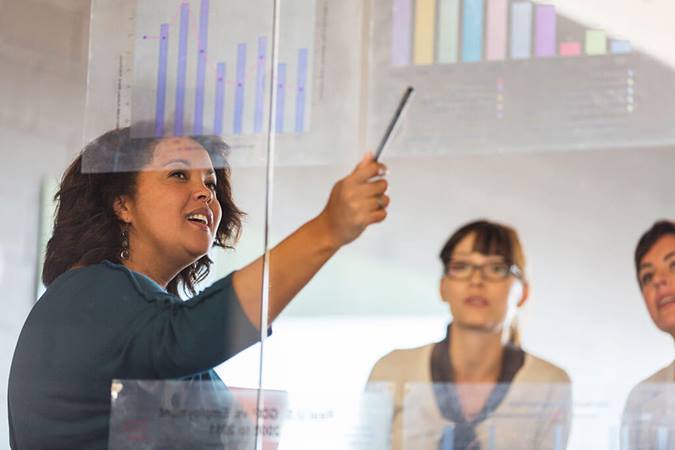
{"type": "Point", "coordinates": [356, 201]}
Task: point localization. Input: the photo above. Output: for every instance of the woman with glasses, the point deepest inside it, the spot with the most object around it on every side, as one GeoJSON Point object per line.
{"type": "Point", "coordinates": [477, 388]}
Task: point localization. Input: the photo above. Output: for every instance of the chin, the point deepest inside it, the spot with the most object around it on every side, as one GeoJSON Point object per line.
{"type": "Point", "coordinates": [195, 253]}
{"type": "Point", "coordinates": [667, 327]}
{"type": "Point", "coordinates": [478, 325]}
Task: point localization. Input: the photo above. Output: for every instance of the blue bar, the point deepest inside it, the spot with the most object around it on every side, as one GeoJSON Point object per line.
{"type": "Point", "coordinates": [260, 86]}
{"type": "Point", "coordinates": [619, 47]}
{"type": "Point", "coordinates": [447, 441]}
{"type": "Point", "coordinates": [240, 89]}
{"type": "Point", "coordinates": [220, 100]}
{"type": "Point", "coordinates": [492, 438]}
{"type": "Point", "coordinates": [472, 31]}
{"type": "Point", "coordinates": [521, 30]}
{"type": "Point", "coordinates": [281, 97]}
{"type": "Point", "coordinates": [160, 105]}
{"type": "Point", "coordinates": [301, 94]}
{"type": "Point", "coordinates": [182, 69]}
{"type": "Point", "coordinates": [201, 66]}
{"type": "Point", "coordinates": [558, 438]}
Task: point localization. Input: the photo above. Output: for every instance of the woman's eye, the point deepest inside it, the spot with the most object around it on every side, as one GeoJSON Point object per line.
{"type": "Point", "coordinates": [646, 278]}
{"type": "Point", "coordinates": [178, 174]}
{"type": "Point", "coordinates": [500, 269]}
{"type": "Point", "coordinates": [459, 266]}
{"type": "Point", "coordinates": [211, 185]}
{"type": "Point", "coordinates": [672, 267]}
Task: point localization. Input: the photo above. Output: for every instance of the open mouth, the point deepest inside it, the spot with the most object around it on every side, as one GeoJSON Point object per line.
{"type": "Point", "coordinates": [665, 301]}
{"type": "Point", "coordinates": [476, 301]}
{"type": "Point", "coordinates": [199, 218]}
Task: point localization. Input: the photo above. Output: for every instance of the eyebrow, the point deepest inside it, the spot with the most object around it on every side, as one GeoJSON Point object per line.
{"type": "Point", "coordinates": [182, 161]}
{"type": "Point", "coordinates": [645, 266]}
{"type": "Point", "coordinates": [187, 163]}
{"type": "Point", "coordinates": [463, 254]}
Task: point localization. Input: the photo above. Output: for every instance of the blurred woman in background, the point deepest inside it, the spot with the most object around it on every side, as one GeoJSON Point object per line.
{"type": "Point", "coordinates": [472, 389]}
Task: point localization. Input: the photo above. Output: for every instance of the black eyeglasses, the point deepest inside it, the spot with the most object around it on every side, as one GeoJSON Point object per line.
{"type": "Point", "coordinates": [494, 271]}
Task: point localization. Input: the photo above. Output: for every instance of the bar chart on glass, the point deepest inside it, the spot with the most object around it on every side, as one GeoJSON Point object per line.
{"type": "Point", "coordinates": [513, 75]}
{"type": "Point", "coordinates": [204, 67]}
{"type": "Point", "coordinates": [455, 31]}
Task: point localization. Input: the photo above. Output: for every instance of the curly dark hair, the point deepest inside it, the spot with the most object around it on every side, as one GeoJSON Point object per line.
{"type": "Point", "coordinates": [87, 230]}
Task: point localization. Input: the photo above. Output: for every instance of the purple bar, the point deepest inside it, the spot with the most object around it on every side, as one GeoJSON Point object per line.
{"type": "Point", "coordinates": [301, 94]}
{"type": "Point", "coordinates": [545, 41]}
{"type": "Point", "coordinates": [160, 105]}
{"type": "Point", "coordinates": [401, 33]}
{"type": "Point", "coordinates": [281, 97]}
{"type": "Point", "coordinates": [201, 66]}
{"type": "Point", "coordinates": [182, 68]}
{"type": "Point", "coordinates": [220, 100]}
{"type": "Point", "coordinates": [239, 91]}
{"type": "Point", "coordinates": [260, 86]}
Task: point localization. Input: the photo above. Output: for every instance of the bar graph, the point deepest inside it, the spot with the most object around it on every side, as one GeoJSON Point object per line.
{"type": "Point", "coordinates": [425, 32]}
{"type": "Point", "coordinates": [197, 71]}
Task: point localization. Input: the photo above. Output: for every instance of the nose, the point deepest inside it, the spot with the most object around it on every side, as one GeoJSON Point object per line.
{"type": "Point", "coordinates": [204, 194]}
{"type": "Point", "coordinates": [476, 276]}
{"type": "Point", "coordinates": [662, 278]}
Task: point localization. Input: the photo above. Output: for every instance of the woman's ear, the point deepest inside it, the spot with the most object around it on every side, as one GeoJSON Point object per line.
{"type": "Point", "coordinates": [122, 208]}
{"type": "Point", "coordinates": [441, 289]}
{"type": "Point", "coordinates": [524, 294]}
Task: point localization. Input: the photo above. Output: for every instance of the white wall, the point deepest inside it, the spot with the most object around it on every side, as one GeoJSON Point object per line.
{"type": "Point", "coordinates": [42, 79]}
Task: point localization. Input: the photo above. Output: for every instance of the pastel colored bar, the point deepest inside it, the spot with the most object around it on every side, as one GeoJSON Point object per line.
{"type": "Point", "coordinates": [596, 42]}
{"type": "Point", "coordinates": [260, 86]}
{"type": "Point", "coordinates": [448, 31]}
{"type": "Point", "coordinates": [160, 103]}
{"type": "Point", "coordinates": [472, 31]}
{"type": "Point", "coordinates": [497, 30]}
{"type": "Point", "coordinates": [300, 98]}
{"type": "Point", "coordinates": [570, 49]}
{"type": "Point", "coordinates": [620, 47]}
{"type": "Point", "coordinates": [220, 100]}
{"type": "Point", "coordinates": [240, 90]}
{"type": "Point", "coordinates": [201, 67]}
{"type": "Point", "coordinates": [182, 69]}
{"type": "Point", "coordinates": [546, 31]}
{"type": "Point", "coordinates": [401, 32]}
{"type": "Point", "coordinates": [521, 30]}
{"type": "Point", "coordinates": [425, 31]}
{"type": "Point", "coordinates": [281, 97]}
{"type": "Point", "coordinates": [662, 438]}
{"type": "Point", "coordinates": [558, 438]}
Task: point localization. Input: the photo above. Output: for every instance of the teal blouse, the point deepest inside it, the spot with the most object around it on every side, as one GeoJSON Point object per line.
{"type": "Point", "coordinates": [105, 322]}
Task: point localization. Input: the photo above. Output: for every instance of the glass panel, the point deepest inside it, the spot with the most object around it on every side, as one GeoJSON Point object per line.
{"type": "Point", "coordinates": [199, 414]}
{"type": "Point", "coordinates": [564, 155]}
{"type": "Point", "coordinates": [140, 281]}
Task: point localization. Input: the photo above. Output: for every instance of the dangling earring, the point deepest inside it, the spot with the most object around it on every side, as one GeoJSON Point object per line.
{"type": "Point", "coordinates": [124, 254]}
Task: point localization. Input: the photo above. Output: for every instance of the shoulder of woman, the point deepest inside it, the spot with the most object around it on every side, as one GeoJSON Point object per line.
{"type": "Point", "coordinates": [664, 375]}
{"type": "Point", "coordinates": [539, 370]}
{"type": "Point", "coordinates": [102, 279]}
{"type": "Point", "coordinates": [398, 362]}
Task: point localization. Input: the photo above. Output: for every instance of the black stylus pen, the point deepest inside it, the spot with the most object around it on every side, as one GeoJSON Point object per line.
{"type": "Point", "coordinates": [395, 121]}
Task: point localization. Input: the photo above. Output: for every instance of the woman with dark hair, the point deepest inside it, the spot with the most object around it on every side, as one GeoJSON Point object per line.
{"type": "Point", "coordinates": [477, 388]}
{"type": "Point", "coordinates": [130, 232]}
{"type": "Point", "coordinates": [649, 416]}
